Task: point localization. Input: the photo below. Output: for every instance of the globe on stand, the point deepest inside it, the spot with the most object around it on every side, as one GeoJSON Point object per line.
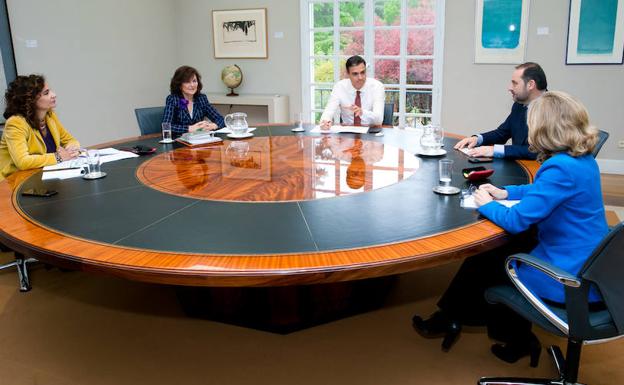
{"type": "Point", "coordinates": [232, 77]}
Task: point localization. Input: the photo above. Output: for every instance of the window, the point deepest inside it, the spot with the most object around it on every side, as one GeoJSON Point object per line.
{"type": "Point", "coordinates": [401, 41]}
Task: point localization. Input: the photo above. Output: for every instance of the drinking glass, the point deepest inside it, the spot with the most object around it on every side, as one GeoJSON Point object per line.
{"type": "Point", "coordinates": [166, 132]}
{"type": "Point", "coordinates": [93, 161]}
{"type": "Point", "coordinates": [445, 168]}
{"type": "Point", "coordinates": [298, 119]}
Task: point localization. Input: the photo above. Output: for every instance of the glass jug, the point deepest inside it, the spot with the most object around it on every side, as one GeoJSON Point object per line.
{"type": "Point", "coordinates": [237, 122]}
{"type": "Point", "coordinates": [432, 137]}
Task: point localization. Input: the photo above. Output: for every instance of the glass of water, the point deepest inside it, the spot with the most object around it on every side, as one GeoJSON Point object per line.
{"type": "Point", "coordinates": [298, 119]}
{"type": "Point", "coordinates": [166, 132]}
{"type": "Point", "coordinates": [445, 167]}
{"type": "Point", "coordinates": [93, 162]}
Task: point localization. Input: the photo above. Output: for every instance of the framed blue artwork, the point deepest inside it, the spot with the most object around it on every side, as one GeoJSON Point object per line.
{"type": "Point", "coordinates": [501, 30]}
{"type": "Point", "coordinates": [595, 32]}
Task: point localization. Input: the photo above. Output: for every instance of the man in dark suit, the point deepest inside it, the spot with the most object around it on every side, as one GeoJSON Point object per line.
{"type": "Point", "coordinates": [528, 83]}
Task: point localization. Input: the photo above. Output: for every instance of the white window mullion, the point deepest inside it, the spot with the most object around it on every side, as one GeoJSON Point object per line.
{"type": "Point", "coordinates": [403, 65]}
{"type": "Point", "coordinates": [438, 50]}
{"type": "Point", "coordinates": [369, 37]}
{"type": "Point", "coordinates": [336, 57]}
{"type": "Point", "coordinates": [307, 96]}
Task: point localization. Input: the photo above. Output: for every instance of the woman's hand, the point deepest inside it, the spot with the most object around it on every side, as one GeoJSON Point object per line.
{"type": "Point", "coordinates": [68, 153]}
{"type": "Point", "coordinates": [495, 192]}
{"type": "Point", "coordinates": [481, 197]}
{"type": "Point", "coordinates": [199, 126]}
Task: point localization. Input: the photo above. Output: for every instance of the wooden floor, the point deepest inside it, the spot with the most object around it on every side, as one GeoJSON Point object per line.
{"type": "Point", "coordinates": [78, 328]}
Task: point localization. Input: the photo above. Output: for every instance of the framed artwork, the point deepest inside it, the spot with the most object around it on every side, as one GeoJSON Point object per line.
{"type": "Point", "coordinates": [240, 33]}
{"type": "Point", "coordinates": [501, 31]}
{"type": "Point", "coordinates": [595, 32]}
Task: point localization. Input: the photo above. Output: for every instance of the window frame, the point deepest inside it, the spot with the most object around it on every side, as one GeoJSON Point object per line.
{"type": "Point", "coordinates": [307, 56]}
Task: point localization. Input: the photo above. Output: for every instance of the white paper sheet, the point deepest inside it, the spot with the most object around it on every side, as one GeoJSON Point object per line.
{"type": "Point", "coordinates": [63, 174]}
{"type": "Point", "coordinates": [341, 129]}
{"type": "Point", "coordinates": [226, 130]}
{"type": "Point", "coordinates": [469, 203]}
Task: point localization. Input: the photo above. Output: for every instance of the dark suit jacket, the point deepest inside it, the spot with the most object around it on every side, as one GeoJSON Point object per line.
{"type": "Point", "coordinates": [514, 127]}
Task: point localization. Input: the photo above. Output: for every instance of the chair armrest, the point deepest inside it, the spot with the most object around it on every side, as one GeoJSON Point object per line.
{"type": "Point", "coordinates": [552, 271]}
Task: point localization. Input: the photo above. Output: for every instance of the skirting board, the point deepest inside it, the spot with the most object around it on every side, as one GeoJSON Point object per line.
{"type": "Point", "coordinates": [611, 166]}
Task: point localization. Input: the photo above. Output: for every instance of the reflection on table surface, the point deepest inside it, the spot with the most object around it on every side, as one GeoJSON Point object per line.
{"type": "Point", "coordinates": [281, 168]}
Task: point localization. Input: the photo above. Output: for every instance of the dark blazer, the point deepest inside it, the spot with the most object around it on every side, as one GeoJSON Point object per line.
{"type": "Point", "coordinates": [180, 118]}
{"type": "Point", "coordinates": [514, 128]}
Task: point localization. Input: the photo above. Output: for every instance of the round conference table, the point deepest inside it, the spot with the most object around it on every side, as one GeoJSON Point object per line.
{"type": "Point", "coordinates": [276, 209]}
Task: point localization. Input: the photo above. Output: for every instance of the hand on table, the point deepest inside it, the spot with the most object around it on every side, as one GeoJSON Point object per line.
{"type": "Point", "coordinates": [481, 152]}
{"type": "Point", "coordinates": [203, 125]}
{"type": "Point", "coordinates": [325, 124]}
{"type": "Point", "coordinates": [487, 193]}
{"type": "Point", "coordinates": [71, 152]}
{"type": "Point", "coordinates": [469, 142]}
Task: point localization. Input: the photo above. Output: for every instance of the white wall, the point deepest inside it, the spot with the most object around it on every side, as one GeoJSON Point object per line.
{"type": "Point", "coordinates": [103, 58]}
{"type": "Point", "coordinates": [279, 74]}
{"type": "Point", "coordinates": [475, 96]}
{"type": "Point", "coordinates": [106, 57]}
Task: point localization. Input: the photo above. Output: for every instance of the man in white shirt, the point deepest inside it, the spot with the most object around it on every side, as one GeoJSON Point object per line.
{"type": "Point", "coordinates": [360, 99]}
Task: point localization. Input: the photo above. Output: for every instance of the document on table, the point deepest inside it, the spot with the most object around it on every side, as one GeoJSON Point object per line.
{"type": "Point", "coordinates": [63, 174]}
{"type": "Point", "coordinates": [341, 129]}
{"type": "Point", "coordinates": [226, 130]}
{"type": "Point", "coordinates": [75, 167]}
{"type": "Point", "coordinates": [468, 202]}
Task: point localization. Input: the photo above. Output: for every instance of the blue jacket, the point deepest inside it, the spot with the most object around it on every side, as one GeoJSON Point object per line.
{"type": "Point", "coordinates": [180, 118]}
{"type": "Point", "coordinates": [514, 128]}
{"type": "Point", "coordinates": [565, 202]}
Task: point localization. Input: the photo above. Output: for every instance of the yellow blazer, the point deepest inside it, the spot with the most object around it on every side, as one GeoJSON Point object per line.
{"type": "Point", "coordinates": [23, 148]}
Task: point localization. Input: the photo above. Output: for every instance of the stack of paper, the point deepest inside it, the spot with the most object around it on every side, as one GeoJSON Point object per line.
{"type": "Point", "coordinates": [75, 167]}
{"type": "Point", "coordinates": [341, 129]}
{"type": "Point", "coordinates": [196, 138]}
{"type": "Point", "coordinates": [468, 202]}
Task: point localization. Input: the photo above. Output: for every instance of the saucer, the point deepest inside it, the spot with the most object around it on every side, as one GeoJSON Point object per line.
{"type": "Point", "coordinates": [446, 190]}
{"type": "Point", "coordinates": [94, 175]}
{"type": "Point", "coordinates": [297, 129]}
{"type": "Point", "coordinates": [166, 141]}
{"type": "Point", "coordinates": [438, 152]}
{"type": "Point", "coordinates": [246, 135]}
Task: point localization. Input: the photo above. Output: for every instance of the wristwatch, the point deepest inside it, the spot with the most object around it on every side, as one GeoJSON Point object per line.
{"type": "Point", "coordinates": [58, 157]}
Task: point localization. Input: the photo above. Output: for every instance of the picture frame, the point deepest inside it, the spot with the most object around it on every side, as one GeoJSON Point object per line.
{"type": "Point", "coordinates": [240, 33]}
{"type": "Point", "coordinates": [595, 32]}
{"type": "Point", "coordinates": [501, 31]}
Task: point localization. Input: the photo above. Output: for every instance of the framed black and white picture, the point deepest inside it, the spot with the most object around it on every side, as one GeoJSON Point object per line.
{"type": "Point", "coordinates": [240, 33]}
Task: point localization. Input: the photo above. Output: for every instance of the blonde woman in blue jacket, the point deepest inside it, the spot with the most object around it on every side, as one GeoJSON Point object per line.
{"type": "Point", "coordinates": [33, 136]}
{"type": "Point", "coordinates": [565, 205]}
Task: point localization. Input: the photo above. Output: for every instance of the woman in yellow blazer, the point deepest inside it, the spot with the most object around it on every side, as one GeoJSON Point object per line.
{"type": "Point", "coordinates": [33, 136]}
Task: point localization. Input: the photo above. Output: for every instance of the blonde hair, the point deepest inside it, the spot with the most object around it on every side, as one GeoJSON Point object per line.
{"type": "Point", "coordinates": [559, 123]}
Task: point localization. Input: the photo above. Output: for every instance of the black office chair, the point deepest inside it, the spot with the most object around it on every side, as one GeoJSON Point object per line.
{"type": "Point", "coordinates": [602, 138]}
{"type": "Point", "coordinates": [388, 114]}
{"type": "Point", "coordinates": [149, 119]}
{"type": "Point", "coordinates": [577, 321]}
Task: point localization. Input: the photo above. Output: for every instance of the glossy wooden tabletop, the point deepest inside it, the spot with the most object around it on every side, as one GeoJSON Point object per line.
{"type": "Point", "coordinates": [295, 168]}
{"type": "Point", "coordinates": [278, 168]}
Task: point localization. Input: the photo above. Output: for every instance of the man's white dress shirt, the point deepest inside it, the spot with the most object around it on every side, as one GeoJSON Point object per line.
{"type": "Point", "coordinates": [372, 97]}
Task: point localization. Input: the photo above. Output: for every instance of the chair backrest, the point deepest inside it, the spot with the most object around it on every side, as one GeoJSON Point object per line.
{"type": "Point", "coordinates": [388, 114]}
{"type": "Point", "coordinates": [602, 138]}
{"type": "Point", "coordinates": [149, 119]}
{"type": "Point", "coordinates": [605, 269]}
